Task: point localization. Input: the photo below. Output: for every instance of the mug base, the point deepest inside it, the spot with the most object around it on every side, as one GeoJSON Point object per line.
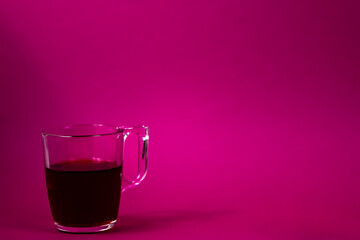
{"type": "Point", "coordinates": [93, 229]}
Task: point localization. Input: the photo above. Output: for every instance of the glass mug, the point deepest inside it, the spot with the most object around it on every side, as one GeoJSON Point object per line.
{"type": "Point", "coordinates": [83, 169]}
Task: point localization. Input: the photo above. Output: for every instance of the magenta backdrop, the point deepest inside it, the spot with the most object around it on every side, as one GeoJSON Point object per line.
{"type": "Point", "coordinates": [253, 108]}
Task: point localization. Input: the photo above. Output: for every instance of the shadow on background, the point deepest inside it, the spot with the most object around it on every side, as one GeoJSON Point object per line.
{"type": "Point", "coordinates": [33, 221]}
{"type": "Point", "coordinates": [149, 221]}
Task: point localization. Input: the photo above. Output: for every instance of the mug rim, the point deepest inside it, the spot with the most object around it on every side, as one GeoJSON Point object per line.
{"type": "Point", "coordinates": [56, 131]}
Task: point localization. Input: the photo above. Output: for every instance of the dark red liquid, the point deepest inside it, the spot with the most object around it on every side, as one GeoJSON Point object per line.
{"type": "Point", "coordinates": [84, 193]}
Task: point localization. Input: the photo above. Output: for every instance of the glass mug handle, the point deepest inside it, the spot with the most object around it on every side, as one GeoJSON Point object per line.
{"type": "Point", "coordinates": [143, 140]}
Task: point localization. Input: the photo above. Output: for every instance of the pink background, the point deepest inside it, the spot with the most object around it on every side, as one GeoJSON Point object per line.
{"type": "Point", "coordinates": [253, 108]}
